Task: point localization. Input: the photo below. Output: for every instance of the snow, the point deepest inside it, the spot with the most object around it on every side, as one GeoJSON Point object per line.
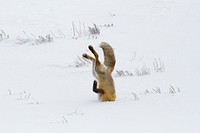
{"type": "Point", "coordinates": [41, 89]}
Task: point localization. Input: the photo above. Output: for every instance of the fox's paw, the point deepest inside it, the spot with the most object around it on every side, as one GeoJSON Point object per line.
{"type": "Point", "coordinates": [85, 56]}
{"type": "Point", "coordinates": [90, 47]}
{"type": "Point", "coordinates": [95, 84]}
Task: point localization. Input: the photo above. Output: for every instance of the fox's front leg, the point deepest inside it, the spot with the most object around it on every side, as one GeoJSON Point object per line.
{"type": "Point", "coordinates": [95, 89]}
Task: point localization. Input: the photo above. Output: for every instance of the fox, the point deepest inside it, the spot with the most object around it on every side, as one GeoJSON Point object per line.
{"type": "Point", "coordinates": [104, 84]}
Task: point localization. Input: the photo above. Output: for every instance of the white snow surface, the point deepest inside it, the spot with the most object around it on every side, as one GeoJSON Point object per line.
{"type": "Point", "coordinates": [42, 91]}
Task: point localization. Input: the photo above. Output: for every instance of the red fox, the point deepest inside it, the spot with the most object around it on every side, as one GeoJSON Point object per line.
{"type": "Point", "coordinates": [103, 72]}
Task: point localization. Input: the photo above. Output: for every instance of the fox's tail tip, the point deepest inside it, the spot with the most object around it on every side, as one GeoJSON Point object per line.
{"type": "Point", "coordinates": [104, 45]}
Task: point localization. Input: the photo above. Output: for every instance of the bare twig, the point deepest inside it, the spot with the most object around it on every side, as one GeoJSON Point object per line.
{"type": "Point", "coordinates": [135, 96]}
{"type": "Point", "coordinates": [10, 93]}
{"type": "Point", "coordinates": [157, 90]}
{"type": "Point", "coordinates": [159, 65]}
{"type": "Point", "coordinates": [3, 35]}
{"type": "Point", "coordinates": [172, 89]}
{"type": "Point", "coordinates": [65, 121]}
{"type": "Point", "coordinates": [121, 73]}
{"type": "Point", "coordinates": [142, 71]}
{"type": "Point", "coordinates": [35, 100]}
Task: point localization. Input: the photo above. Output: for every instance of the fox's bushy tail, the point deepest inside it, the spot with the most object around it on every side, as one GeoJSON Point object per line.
{"type": "Point", "coordinates": [109, 56]}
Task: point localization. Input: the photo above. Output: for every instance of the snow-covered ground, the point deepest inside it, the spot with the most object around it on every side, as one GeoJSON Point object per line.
{"type": "Point", "coordinates": [157, 47]}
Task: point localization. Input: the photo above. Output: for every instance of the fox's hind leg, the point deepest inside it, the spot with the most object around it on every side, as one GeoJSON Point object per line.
{"type": "Point", "coordinates": [95, 54]}
{"type": "Point", "coordinates": [95, 89]}
{"type": "Point", "coordinates": [88, 57]}
{"type": "Point", "coordinates": [97, 62]}
{"type": "Point", "coordinates": [98, 67]}
{"type": "Point", "coordinates": [93, 51]}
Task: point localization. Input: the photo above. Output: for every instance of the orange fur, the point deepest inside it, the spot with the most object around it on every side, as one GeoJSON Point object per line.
{"type": "Point", "coordinates": [103, 72]}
